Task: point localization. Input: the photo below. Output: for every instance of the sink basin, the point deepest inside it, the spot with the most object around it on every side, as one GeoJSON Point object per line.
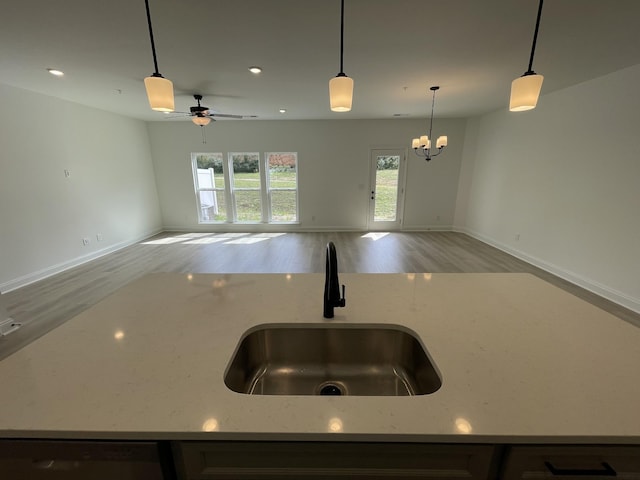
{"type": "Point", "coordinates": [323, 359]}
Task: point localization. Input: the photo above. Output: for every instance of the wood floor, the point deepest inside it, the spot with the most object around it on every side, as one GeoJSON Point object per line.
{"type": "Point", "coordinates": [44, 305]}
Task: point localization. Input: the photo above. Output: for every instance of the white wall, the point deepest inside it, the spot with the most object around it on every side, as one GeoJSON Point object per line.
{"type": "Point", "coordinates": [566, 178]}
{"type": "Point", "coordinates": [43, 214]}
{"type": "Point", "coordinates": [333, 158]}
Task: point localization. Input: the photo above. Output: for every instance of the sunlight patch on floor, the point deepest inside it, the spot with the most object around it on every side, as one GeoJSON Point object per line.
{"type": "Point", "coordinates": [246, 241]}
{"type": "Point", "coordinates": [206, 241]}
{"type": "Point", "coordinates": [375, 235]}
{"type": "Point", "coordinates": [164, 241]}
{"type": "Point", "coordinates": [205, 238]}
{"type": "Point", "coordinates": [193, 235]}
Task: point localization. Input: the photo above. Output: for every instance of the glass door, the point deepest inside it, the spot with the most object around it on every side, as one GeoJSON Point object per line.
{"type": "Point", "coordinates": [387, 189]}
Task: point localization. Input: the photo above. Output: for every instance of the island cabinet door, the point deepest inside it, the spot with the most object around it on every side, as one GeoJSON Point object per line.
{"type": "Point", "coordinates": [571, 462]}
{"type": "Point", "coordinates": [323, 460]}
{"type": "Point", "coordinates": [81, 460]}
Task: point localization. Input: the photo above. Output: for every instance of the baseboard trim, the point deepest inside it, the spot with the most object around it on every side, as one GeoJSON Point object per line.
{"type": "Point", "coordinates": [586, 283]}
{"type": "Point", "coordinates": [61, 267]}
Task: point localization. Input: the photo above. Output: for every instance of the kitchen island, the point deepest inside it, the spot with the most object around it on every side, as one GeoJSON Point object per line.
{"type": "Point", "coordinates": [521, 362]}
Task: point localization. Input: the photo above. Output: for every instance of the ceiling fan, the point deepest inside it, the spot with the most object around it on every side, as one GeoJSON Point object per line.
{"type": "Point", "coordinates": [201, 116]}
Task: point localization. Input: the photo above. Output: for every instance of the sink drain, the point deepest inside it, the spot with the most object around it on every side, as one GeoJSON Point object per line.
{"type": "Point", "coordinates": [330, 389]}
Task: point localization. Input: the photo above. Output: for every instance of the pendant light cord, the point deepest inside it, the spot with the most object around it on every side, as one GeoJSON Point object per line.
{"type": "Point", "coordinates": [153, 45]}
{"type": "Point", "coordinates": [535, 38]}
{"type": "Point", "coordinates": [341, 38]}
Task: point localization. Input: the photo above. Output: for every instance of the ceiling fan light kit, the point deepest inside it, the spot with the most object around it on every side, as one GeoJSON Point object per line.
{"type": "Point", "coordinates": [201, 121]}
{"type": "Point", "coordinates": [201, 115]}
{"type": "Point", "coordinates": [341, 86]}
{"type": "Point", "coordinates": [525, 90]}
{"type": "Point", "coordinates": [159, 89]}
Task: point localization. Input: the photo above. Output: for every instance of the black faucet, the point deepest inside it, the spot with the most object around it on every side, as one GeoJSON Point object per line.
{"type": "Point", "coordinates": [332, 284]}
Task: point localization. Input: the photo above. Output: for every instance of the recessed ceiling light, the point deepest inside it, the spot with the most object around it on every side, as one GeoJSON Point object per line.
{"type": "Point", "coordinates": [57, 73]}
{"type": "Point", "coordinates": [255, 70]}
{"type": "Point", "coordinates": [282, 110]}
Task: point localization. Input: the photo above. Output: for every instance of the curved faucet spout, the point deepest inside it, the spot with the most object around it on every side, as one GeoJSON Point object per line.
{"type": "Point", "coordinates": [332, 297]}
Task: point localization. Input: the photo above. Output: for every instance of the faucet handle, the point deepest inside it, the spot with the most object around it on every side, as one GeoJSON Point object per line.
{"type": "Point", "coordinates": [343, 300]}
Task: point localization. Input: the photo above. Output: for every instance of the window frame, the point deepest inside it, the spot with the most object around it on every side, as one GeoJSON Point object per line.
{"type": "Point", "coordinates": [233, 189]}
{"type": "Point", "coordinates": [198, 189]}
{"type": "Point", "coordinates": [270, 189]}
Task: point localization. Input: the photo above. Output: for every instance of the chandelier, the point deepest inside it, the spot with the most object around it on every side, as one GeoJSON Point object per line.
{"type": "Point", "coordinates": [422, 145]}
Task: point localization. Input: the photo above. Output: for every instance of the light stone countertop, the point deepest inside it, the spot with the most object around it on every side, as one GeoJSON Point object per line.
{"type": "Point", "coordinates": [520, 361]}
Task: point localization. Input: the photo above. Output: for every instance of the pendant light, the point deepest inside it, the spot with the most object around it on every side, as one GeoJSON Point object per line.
{"type": "Point", "coordinates": [341, 86]}
{"type": "Point", "coordinates": [159, 89]}
{"type": "Point", "coordinates": [525, 90]}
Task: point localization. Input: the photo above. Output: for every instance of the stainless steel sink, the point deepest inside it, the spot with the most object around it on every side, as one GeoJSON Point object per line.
{"type": "Point", "coordinates": [323, 359]}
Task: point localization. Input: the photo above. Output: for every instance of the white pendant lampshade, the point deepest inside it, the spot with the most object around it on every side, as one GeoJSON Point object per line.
{"type": "Point", "coordinates": [340, 93]}
{"type": "Point", "coordinates": [201, 121]}
{"type": "Point", "coordinates": [525, 91]}
{"type": "Point", "coordinates": [160, 93]}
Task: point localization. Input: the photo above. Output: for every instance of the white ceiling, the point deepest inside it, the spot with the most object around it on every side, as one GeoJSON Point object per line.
{"type": "Point", "coordinates": [394, 50]}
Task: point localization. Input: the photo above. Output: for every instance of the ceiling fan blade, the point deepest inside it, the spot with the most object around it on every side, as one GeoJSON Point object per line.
{"type": "Point", "coordinates": [224, 115]}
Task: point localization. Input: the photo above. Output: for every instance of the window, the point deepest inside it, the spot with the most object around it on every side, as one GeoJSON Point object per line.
{"type": "Point", "coordinates": [208, 175]}
{"type": "Point", "coordinates": [283, 187]}
{"type": "Point", "coordinates": [247, 188]}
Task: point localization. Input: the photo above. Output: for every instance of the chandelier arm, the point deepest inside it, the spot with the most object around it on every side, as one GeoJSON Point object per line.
{"type": "Point", "coordinates": [423, 152]}
{"type": "Point", "coordinates": [535, 39]}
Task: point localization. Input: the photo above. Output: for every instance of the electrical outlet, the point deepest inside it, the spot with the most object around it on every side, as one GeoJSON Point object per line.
{"type": "Point", "coordinates": [99, 237]}
{"type": "Point", "coordinates": [67, 173]}
{"type": "Point", "coordinates": [86, 241]}
{"type": "Point", "coordinates": [517, 237]}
